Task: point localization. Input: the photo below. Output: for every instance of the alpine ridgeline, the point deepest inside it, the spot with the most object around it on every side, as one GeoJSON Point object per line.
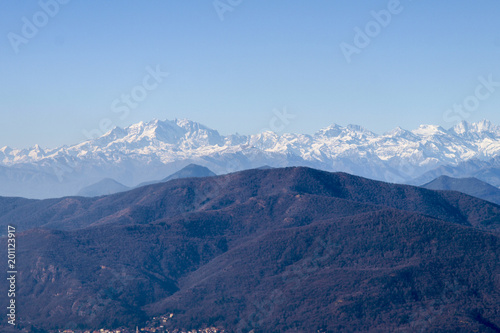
{"type": "Point", "coordinates": [147, 151]}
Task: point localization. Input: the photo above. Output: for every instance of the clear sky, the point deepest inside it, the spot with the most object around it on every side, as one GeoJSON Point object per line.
{"type": "Point", "coordinates": [230, 68]}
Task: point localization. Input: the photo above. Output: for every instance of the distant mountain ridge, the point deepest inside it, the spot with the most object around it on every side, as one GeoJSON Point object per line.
{"type": "Point", "coordinates": [104, 187]}
{"type": "Point", "coordinates": [485, 170]}
{"type": "Point", "coordinates": [471, 186]}
{"type": "Point", "coordinates": [146, 151]}
{"type": "Point", "coordinates": [189, 171]}
{"type": "Point", "coordinates": [110, 186]}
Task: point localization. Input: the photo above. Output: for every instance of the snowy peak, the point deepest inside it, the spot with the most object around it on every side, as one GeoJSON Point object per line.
{"type": "Point", "coordinates": [5, 150]}
{"type": "Point", "coordinates": [167, 131]}
{"type": "Point", "coordinates": [484, 127]}
{"type": "Point", "coordinates": [36, 152]}
{"type": "Point", "coordinates": [330, 131]}
{"type": "Point", "coordinates": [398, 131]}
{"type": "Point", "coordinates": [198, 135]}
{"type": "Point", "coordinates": [360, 132]}
{"type": "Point", "coordinates": [429, 130]}
{"type": "Point", "coordinates": [460, 128]}
{"type": "Point", "coordinates": [4, 154]}
{"type": "Point", "coordinates": [266, 140]}
{"type": "Point", "coordinates": [159, 133]}
{"type": "Point", "coordinates": [350, 131]}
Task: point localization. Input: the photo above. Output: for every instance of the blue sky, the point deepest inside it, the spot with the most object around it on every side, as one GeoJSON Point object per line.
{"type": "Point", "coordinates": [231, 74]}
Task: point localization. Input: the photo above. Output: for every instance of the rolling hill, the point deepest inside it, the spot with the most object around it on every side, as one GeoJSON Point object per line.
{"type": "Point", "coordinates": [276, 250]}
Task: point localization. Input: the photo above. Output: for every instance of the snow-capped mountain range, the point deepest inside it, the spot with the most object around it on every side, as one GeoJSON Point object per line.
{"type": "Point", "coordinates": [153, 150]}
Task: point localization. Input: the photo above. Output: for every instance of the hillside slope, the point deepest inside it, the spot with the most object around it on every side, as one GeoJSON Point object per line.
{"type": "Point", "coordinates": [279, 250]}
